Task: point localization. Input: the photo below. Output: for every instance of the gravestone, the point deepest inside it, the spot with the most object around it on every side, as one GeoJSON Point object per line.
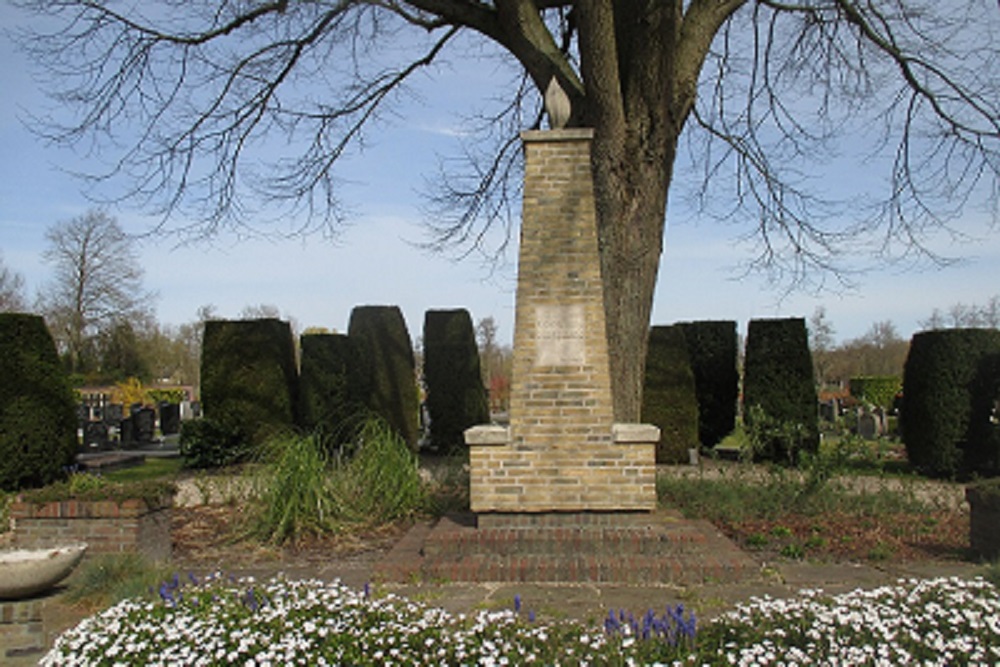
{"type": "Point", "coordinates": [114, 413]}
{"type": "Point", "coordinates": [170, 418]}
{"type": "Point", "coordinates": [143, 426]}
{"type": "Point", "coordinates": [828, 410]}
{"type": "Point", "coordinates": [869, 425]}
{"type": "Point", "coordinates": [95, 436]}
{"type": "Point", "coordinates": [562, 452]}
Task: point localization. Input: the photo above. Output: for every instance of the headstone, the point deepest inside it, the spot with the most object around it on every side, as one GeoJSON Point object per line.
{"type": "Point", "coordinates": [126, 432]}
{"type": "Point", "coordinates": [869, 427]}
{"type": "Point", "coordinates": [95, 436]}
{"type": "Point", "coordinates": [170, 418]}
{"type": "Point", "coordinates": [144, 425]}
{"type": "Point", "coordinates": [562, 452]}
{"type": "Point", "coordinates": [114, 413]}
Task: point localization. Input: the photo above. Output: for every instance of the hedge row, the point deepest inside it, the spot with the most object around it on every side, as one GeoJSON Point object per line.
{"type": "Point", "coordinates": [252, 387]}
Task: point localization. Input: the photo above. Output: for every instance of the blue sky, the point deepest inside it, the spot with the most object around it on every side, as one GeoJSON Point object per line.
{"type": "Point", "coordinates": [376, 261]}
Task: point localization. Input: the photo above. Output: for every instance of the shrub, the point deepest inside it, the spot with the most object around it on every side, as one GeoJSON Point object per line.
{"type": "Point", "coordinates": [334, 388]}
{"type": "Point", "coordinates": [249, 379]}
{"type": "Point", "coordinates": [456, 398]}
{"type": "Point", "coordinates": [381, 332]}
{"type": "Point", "coordinates": [946, 372]}
{"type": "Point", "coordinates": [669, 400]}
{"type": "Point", "coordinates": [778, 378]}
{"type": "Point", "coordinates": [876, 390]}
{"type": "Point", "coordinates": [207, 443]}
{"type": "Point", "coordinates": [712, 350]}
{"type": "Point", "coordinates": [37, 406]}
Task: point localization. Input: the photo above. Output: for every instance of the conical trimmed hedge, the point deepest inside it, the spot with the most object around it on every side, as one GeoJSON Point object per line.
{"type": "Point", "coordinates": [778, 386]}
{"type": "Point", "coordinates": [37, 405]}
{"type": "Point", "coordinates": [712, 349]}
{"type": "Point", "coordinates": [949, 389]}
{"type": "Point", "coordinates": [333, 384]}
{"type": "Point", "coordinates": [669, 400]}
{"type": "Point", "coordinates": [382, 334]}
{"type": "Point", "coordinates": [456, 398]}
{"type": "Point", "coordinates": [249, 379]}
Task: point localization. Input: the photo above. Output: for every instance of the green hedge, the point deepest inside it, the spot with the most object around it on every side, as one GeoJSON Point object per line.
{"type": "Point", "coordinates": [456, 397]}
{"type": "Point", "coordinates": [949, 385]}
{"type": "Point", "coordinates": [876, 390]}
{"type": "Point", "coordinates": [249, 379]}
{"type": "Point", "coordinates": [382, 334]}
{"type": "Point", "coordinates": [712, 349]}
{"type": "Point", "coordinates": [669, 400]}
{"type": "Point", "coordinates": [333, 384]}
{"type": "Point", "coordinates": [37, 405]}
{"type": "Point", "coordinates": [778, 384]}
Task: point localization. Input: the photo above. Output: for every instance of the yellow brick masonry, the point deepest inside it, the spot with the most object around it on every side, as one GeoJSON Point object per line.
{"type": "Point", "coordinates": [560, 452]}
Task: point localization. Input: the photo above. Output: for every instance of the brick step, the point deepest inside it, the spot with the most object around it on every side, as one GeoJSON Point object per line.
{"type": "Point", "coordinates": [667, 550]}
{"type": "Point", "coordinates": [564, 541]}
{"type": "Point", "coordinates": [685, 569]}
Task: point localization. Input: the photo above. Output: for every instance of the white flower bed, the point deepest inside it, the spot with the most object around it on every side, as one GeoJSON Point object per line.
{"type": "Point", "coordinates": [937, 622]}
{"type": "Point", "coordinates": [929, 622]}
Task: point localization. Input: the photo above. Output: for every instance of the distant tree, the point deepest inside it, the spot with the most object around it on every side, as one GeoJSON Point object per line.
{"type": "Point", "coordinates": [11, 290]}
{"type": "Point", "coordinates": [962, 316]}
{"type": "Point", "coordinates": [495, 362]}
{"type": "Point", "coordinates": [821, 343]}
{"type": "Point", "coordinates": [97, 285]}
{"type": "Point", "coordinates": [765, 91]}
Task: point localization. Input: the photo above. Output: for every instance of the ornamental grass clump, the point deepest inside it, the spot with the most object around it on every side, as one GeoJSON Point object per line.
{"type": "Point", "coordinates": [299, 490]}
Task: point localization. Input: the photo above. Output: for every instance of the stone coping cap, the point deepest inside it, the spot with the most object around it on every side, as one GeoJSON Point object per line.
{"type": "Point", "coordinates": [565, 134]}
{"type": "Point", "coordinates": [487, 434]}
{"type": "Point", "coordinates": [624, 434]}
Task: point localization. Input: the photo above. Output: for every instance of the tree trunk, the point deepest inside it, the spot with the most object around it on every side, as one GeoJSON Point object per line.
{"type": "Point", "coordinates": [630, 196]}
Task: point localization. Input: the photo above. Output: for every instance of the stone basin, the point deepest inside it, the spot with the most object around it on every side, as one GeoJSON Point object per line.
{"type": "Point", "coordinates": [27, 572]}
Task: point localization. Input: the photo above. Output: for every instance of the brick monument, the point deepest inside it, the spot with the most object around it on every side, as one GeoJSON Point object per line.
{"type": "Point", "coordinates": [562, 453]}
{"type": "Point", "coordinates": [562, 493]}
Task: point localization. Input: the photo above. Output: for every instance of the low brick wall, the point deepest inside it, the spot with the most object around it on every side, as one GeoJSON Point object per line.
{"type": "Point", "coordinates": [107, 527]}
{"type": "Point", "coordinates": [22, 633]}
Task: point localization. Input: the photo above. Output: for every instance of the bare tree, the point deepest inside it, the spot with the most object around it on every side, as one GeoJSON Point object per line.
{"type": "Point", "coordinates": [11, 289]}
{"type": "Point", "coordinates": [821, 344]}
{"type": "Point", "coordinates": [97, 283]}
{"type": "Point", "coordinates": [193, 89]}
{"type": "Point", "coordinates": [965, 315]}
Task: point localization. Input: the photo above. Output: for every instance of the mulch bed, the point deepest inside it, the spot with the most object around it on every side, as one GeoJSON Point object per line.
{"type": "Point", "coordinates": [940, 535]}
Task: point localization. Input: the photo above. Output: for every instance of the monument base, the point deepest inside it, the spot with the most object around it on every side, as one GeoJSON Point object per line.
{"type": "Point", "coordinates": [642, 548]}
{"type": "Point", "coordinates": [618, 475]}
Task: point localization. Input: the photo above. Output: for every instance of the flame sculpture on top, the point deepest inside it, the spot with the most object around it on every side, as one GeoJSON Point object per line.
{"type": "Point", "coordinates": [557, 105]}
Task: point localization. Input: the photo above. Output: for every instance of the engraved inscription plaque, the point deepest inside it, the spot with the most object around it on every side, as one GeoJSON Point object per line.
{"type": "Point", "coordinates": [559, 335]}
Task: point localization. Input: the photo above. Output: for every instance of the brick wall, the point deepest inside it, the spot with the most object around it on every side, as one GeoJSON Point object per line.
{"type": "Point", "coordinates": [560, 453]}
{"type": "Point", "coordinates": [106, 526]}
{"type": "Point", "coordinates": [22, 635]}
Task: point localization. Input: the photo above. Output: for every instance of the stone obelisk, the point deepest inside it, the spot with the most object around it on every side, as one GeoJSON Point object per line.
{"type": "Point", "coordinates": [561, 452]}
